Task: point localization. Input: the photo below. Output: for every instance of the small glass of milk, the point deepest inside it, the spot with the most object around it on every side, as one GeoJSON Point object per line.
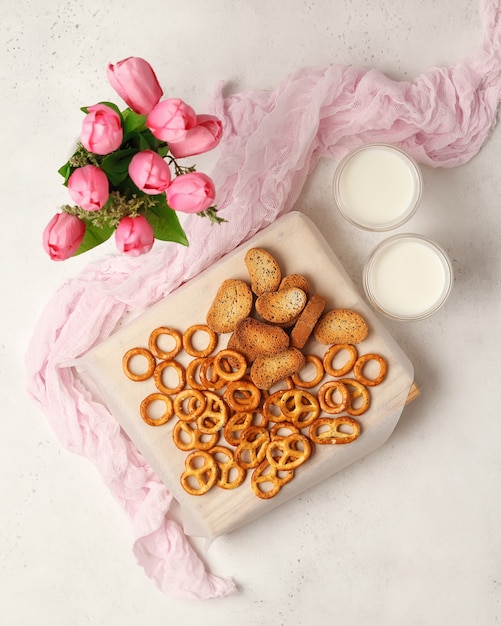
{"type": "Point", "coordinates": [408, 277]}
{"type": "Point", "coordinates": [377, 187]}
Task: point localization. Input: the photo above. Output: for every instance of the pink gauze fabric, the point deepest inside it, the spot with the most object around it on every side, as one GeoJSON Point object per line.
{"type": "Point", "coordinates": [272, 141]}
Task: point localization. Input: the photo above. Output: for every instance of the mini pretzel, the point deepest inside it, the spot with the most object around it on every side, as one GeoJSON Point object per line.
{"type": "Point", "coordinates": [238, 422]}
{"type": "Point", "coordinates": [242, 395]}
{"type": "Point", "coordinates": [289, 452]}
{"type": "Point", "coordinates": [209, 377]}
{"type": "Point", "coordinates": [332, 352]}
{"type": "Point", "coordinates": [357, 390]}
{"type": "Point", "coordinates": [200, 473]}
{"type": "Point", "coordinates": [272, 409]}
{"type": "Point", "coordinates": [150, 364]}
{"type": "Point", "coordinates": [360, 364]}
{"type": "Point", "coordinates": [188, 340]}
{"type": "Point", "coordinates": [186, 437]}
{"type": "Point", "coordinates": [326, 396]}
{"type": "Point", "coordinates": [192, 373]}
{"type": "Point", "coordinates": [327, 430]}
{"type": "Point", "coordinates": [158, 376]}
{"type": "Point", "coordinates": [251, 449]}
{"type": "Point", "coordinates": [299, 406]}
{"type": "Point", "coordinates": [189, 404]}
{"type": "Point", "coordinates": [319, 372]}
{"type": "Point", "coordinates": [230, 474]}
{"type": "Point", "coordinates": [162, 354]}
{"type": "Point", "coordinates": [282, 429]}
{"type": "Point", "coordinates": [215, 414]}
{"type": "Point", "coordinates": [267, 480]}
{"type": "Point", "coordinates": [230, 364]}
{"type": "Point", "coordinates": [166, 415]}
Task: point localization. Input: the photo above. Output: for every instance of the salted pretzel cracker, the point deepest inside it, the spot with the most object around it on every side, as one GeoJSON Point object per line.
{"type": "Point", "coordinates": [358, 369]}
{"type": "Point", "coordinates": [188, 340]}
{"type": "Point", "coordinates": [326, 396]}
{"type": "Point", "coordinates": [282, 429]}
{"type": "Point", "coordinates": [209, 378]}
{"type": "Point", "coordinates": [299, 406]}
{"type": "Point", "coordinates": [327, 430]}
{"type": "Point", "coordinates": [214, 416]}
{"type": "Point", "coordinates": [158, 375]}
{"type": "Point", "coordinates": [165, 354]}
{"type": "Point", "coordinates": [333, 351]}
{"type": "Point", "coordinates": [267, 480]}
{"type": "Point", "coordinates": [200, 473]}
{"type": "Point", "coordinates": [316, 361]}
{"type": "Point", "coordinates": [288, 453]}
{"type": "Point", "coordinates": [187, 437]}
{"type": "Point", "coordinates": [238, 422]}
{"type": "Point", "coordinates": [230, 474]}
{"type": "Point", "coordinates": [357, 390]}
{"type": "Point", "coordinates": [150, 364]}
{"type": "Point", "coordinates": [166, 415]}
{"type": "Point", "coordinates": [251, 449]}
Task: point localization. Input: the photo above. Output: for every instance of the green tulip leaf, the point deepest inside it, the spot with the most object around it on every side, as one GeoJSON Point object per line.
{"type": "Point", "coordinates": [132, 121]}
{"type": "Point", "coordinates": [165, 222]}
{"type": "Point", "coordinates": [65, 171]}
{"type": "Point", "coordinates": [94, 236]}
{"type": "Point", "coordinates": [116, 165]}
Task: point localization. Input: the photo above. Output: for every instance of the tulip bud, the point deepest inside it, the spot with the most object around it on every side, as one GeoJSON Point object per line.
{"type": "Point", "coordinates": [191, 193]}
{"type": "Point", "coordinates": [62, 236]}
{"type": "Point", "coordinates": [101, 130]}
{"type": "Point", "coordinates": [134, 235]}
{"type": "Point", "coordinates": [88, 187]}
{"type": "Point", "coordinates": [149, 172]}
{"type": "Point", "coordinates": [136, 83]}
{"type": "Point", "coordinates": [171, 119]}
{"type": "Point", "coordinates": [201, 138]}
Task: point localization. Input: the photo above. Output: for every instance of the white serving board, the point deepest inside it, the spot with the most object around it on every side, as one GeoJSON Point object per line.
{"type": "Point", "coordinates": [299, 248]}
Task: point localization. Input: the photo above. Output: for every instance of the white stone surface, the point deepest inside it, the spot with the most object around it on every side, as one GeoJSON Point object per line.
{"type": "Point", "coordinates": [409, 535]}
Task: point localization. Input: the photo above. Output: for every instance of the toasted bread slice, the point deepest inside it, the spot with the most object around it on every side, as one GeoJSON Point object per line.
{"type": "Point", "coordinates": [253, 338]}
{"type": "Point", "coordinates": [295, 280]}
{"type": "Point", "coordinates": [307, 320]}
{"type": "Point", "coordinates": [281, 307]}
{"type": "Point", "coordinates": [264, 271]}
{"type": "Point", "coordinates": [268, 370]}
{"type": "Point", "coordinates": [340, 326]}
{"type": "Point", "coordinates": [233, 302]}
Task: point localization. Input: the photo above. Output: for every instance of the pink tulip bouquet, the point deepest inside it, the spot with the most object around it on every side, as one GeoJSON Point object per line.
{"type": "Point", "coordinates": [124, 176]}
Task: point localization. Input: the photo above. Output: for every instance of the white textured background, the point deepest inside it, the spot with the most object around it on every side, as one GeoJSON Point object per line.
{"type": "Point", "coordinates": [409, 535]}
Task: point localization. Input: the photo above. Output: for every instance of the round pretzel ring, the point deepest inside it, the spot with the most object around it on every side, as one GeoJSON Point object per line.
{"type": "Point", "coordinates": [230, 474]}
{"type": "Point", "coordinates": [317, 363]}
{"type": "Point", "coordinates": [327, 430]}
{"type": "Point", "coordinates": [200, 473]}
{"type": "Point", "coordinates": [326, 396]}
{"type": "Point", "coordinates": [166, 415]}
{"type": "Point", "coordinates": [357, 390]}
{"type": "Point", "coordinates": [150, 363]}
{"type": "Point", "coordinates": [329, 355]}
{"type": "Point", "coordinates": [242, 395]}
{"type": "Point", "coordinates": [189, 404]}
{"type": "Point", "coordinates": [158, 376]}
{"type": "Point", "coordinates": [267, 480]}
{"type": "Point", "coordinates": [188, 340]}
{"type": "Point", "coordinates": [162, 354]}
{"type": "Point", "coordinates": [360, 364]}
{"type": "Point", "coordinates": [230, 364]}
{"type": "Point", "coordinates": [209, 377]}
{"type": "Point", "coordinates": [192, 370]}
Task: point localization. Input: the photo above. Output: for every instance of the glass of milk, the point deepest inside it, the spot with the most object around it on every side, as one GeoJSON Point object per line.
{"type": "Point", "coordinates": [377, 187]}
{"type": "Point", "coordinates": [408, 277]}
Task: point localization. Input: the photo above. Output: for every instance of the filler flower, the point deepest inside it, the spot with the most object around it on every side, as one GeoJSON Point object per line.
{"type": "Point", "coordinates": [124, 175]}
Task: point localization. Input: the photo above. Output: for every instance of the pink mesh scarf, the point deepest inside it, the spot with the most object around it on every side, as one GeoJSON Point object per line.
{"type": "Point", "coordinates": [272, 141]}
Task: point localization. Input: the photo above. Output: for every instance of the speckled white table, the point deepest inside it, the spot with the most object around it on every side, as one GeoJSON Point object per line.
{"type": "Point", "coordinates": [409, 535]}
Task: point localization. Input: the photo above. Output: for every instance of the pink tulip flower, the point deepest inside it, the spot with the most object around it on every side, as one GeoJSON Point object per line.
{"type": "Point", "coordinates": [171, 119]}
{"type": "Point", "coordinates": [88, 187]}
{"type": "Point", "coordinates": [134, 235]}
{"type": "Point", "coordinates": [62, 236]}
{"type": "Point", "coordinates": [201, 138]}
{"type": "Point", "coordinates": [101, 130]}
{"type": "Point", "coordinates": [149, 172]}
{"type": "Point", "coordinates": [136, 83]}
{"type": "Point", "coordinates": [191, 193]}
